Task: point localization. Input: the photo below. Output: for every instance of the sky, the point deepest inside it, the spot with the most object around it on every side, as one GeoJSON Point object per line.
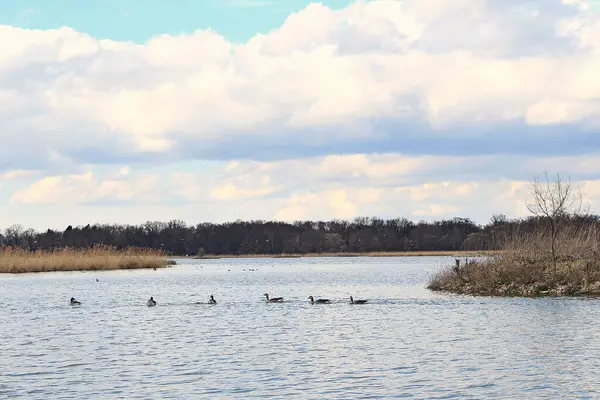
{"type": "Point", "coordinates": [125, 111]}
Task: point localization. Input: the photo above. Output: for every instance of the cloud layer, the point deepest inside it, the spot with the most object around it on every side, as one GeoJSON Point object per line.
{"type": "Point", "coordinates": [422, 108]}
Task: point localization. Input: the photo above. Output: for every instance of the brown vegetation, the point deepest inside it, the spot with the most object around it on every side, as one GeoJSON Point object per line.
{"type": "Point", "coordinates": [525, 268]}
{"type": "Point", "coordinates": [18, 260]}
{"type": "Point", "coordinates": [560, 257]}
{"type": "Point", "coordinates": [552, 202]}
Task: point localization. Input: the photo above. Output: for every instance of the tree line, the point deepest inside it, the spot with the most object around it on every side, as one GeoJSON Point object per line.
{"type": "Point", "coordinates": [363, 234]}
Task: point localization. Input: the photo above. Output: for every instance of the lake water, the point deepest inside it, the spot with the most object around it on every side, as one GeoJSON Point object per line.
{"type": "Point", "coordinates": [405, 343]}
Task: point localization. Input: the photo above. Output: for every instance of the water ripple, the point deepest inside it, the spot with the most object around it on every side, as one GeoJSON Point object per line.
{"type": "Point", "coordinates": [405, 343]}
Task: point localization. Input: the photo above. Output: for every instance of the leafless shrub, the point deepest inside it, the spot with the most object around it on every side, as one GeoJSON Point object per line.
{"type": "Point", "coordinates": [558, 257]}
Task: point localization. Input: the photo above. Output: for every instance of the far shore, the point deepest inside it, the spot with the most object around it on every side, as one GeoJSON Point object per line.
{"type": "Point", "coordinates": [449, 253]}
{"type": "Point", "coordinates": [16, 260]}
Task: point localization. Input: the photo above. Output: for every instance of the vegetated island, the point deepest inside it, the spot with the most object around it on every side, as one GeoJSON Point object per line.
{"type": "Point", "coordinates": [99, 257]}
{"type": "Point", "coordinates": [560, 256]}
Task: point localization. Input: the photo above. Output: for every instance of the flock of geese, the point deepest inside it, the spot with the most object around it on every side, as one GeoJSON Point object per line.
{"type": "Point", "coordinates": [151, 302]}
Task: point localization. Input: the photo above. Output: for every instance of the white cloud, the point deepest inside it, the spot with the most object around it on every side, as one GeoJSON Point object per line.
{"type": "Point", "coordinates": [327, 204]}
{"type": "Point", "coordinates": [437, 210]}
{"type": "Point", "coordinates": [15, 174]}
{"type": "Point", "coordinates": [436, 62]}
{"type": "Point", "coordinates": [429, 108]}
{"type": "Point", "coordinates": [305, 189]}
{"type": "Point", "coordinates": [83, 188]}
{"type": "Point", "coordinates": [230, 191]}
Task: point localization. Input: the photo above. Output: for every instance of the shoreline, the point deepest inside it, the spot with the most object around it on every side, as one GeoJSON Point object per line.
{"type": "Point", "coordinates": [47, 262]}
{"type": "Point", "coordinates": [534, 290]}
{"type": "Point", "coordinates": [98, 269]}
{"type": "Point", "coordinates": [18, 271]}
{"type": "Point", "coordinates": [432, 253]}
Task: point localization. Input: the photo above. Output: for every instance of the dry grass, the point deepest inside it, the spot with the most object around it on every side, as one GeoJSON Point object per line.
{"type": "Point", "coordinates": [17, 260]}
{"type": "Point", "coordinates": [359, 254]}
{"type": "Point", "coordinates": [525, 267]}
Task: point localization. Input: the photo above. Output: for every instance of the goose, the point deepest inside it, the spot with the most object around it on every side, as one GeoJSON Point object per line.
{"type": "Point", "coordinates": [151, 302]}
{"type": "Point", "coordinates": [211, 300]}
{"type": "Point", "coordinates": [74, 302]}
{"type": "Point", "coordinates": [352, 301]}
{"type": "Point", "coordinates": [318, 301]}
{"type": "Point", "coordinates": [274, 299]}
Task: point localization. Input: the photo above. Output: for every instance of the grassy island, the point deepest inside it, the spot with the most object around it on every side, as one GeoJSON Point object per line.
{"type": "Point", "coordinates": [560, 256]}
{"type": "Point", "coordinates": [17, 260]}
{"type": "Point", "coordinates": [525, 269]}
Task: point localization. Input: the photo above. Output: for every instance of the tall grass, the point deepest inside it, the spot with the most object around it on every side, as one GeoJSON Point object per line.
{"type": "Point", "coordinates": [525, 266]}
{"type": "Point", "coordinates": [18, 260]}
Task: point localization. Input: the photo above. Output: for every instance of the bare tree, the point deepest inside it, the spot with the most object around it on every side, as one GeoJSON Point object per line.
{"type": "Point", "coordinates": [554, 200]}
{"type": "Point", "coordinates": [13, 235]}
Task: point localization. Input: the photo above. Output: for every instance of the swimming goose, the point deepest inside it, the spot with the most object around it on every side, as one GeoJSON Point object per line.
{"type": "Point", "coordinates": [151, 302]}
{"type": "Point", "coordinates": [274, 299]}
{"type": "Point", "coordinates": [318, 301]}
{"type": "Point", "coordinates": [74, 302]}
{"type": "Point", "coordinates": [211, 300]}
{"type": "Point", "coordinates": [352, 301]}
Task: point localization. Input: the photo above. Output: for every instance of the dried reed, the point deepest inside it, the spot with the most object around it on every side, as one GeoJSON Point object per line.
{"type": "Point", "coordinates": [100, 257]}
{"type": "Point", "coordinates": [524, 267]}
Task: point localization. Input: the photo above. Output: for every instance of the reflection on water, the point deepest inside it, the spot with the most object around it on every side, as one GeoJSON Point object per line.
{"type": "Point", "coordinates": [405, 343]}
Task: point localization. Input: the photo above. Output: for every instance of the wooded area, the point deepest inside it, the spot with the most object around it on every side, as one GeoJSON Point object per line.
{"type": "Point", "coordinates": [266, 237]}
